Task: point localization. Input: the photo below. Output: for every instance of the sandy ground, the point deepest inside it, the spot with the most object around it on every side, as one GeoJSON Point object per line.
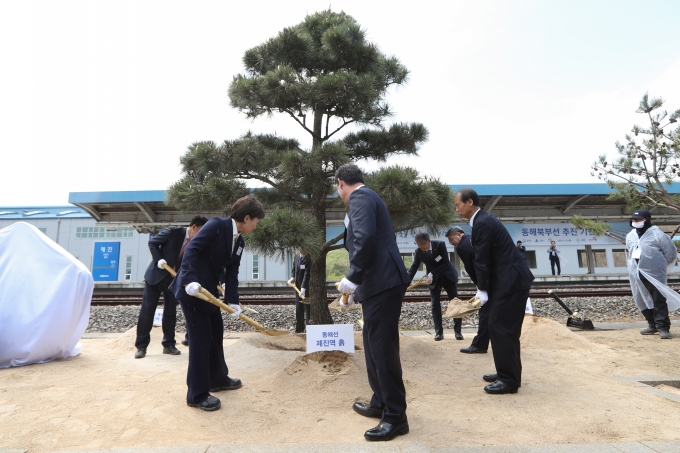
{"type": "Point", "coordinates": [105, 398]}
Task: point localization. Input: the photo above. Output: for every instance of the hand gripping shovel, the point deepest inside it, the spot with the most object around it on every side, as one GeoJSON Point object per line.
{"type": "Point", "coordinates": [344, 297]}
{"type": "Point", "coordinates": [206, 296]}
{"type": "Point", "coordinates": [422, 281]}
{"type": "Point", "coordinates": [292, 285]}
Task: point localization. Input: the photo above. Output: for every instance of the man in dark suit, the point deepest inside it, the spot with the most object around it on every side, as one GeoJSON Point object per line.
{"type": "Point", "coordinates": [441, 274]}
{"type": "Point", "coordinates": [463, 246]}
{"type": "Point", "coordinates": [377, 278]}
{"type": "Point", "coordinates": [504, 279]}
{"type": "Point", "coordinates": [301, 268]}
{"type": "Point", "coordinates": [217, 248]}
{"type": "Point", "coordinates": [166, 248]}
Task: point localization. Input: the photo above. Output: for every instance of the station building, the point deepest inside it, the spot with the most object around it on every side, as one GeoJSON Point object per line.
{"type": "Point", "coordinates": [109, 231]}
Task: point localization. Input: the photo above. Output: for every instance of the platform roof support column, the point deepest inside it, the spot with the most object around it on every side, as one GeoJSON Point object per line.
{"type": "Point", "coordinates": [492, 203]}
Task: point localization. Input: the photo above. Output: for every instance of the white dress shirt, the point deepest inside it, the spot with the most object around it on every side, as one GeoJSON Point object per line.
{"type": "Point", "coordinates": [472, 219]}
{"type": "Point", "coordinates": [235, 238]}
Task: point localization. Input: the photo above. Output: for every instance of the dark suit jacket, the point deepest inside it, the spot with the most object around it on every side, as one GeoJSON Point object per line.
{"type": "Point", "coordinates": [467, 254]}
{"type": "Point", "coordinates": [439, 268]}
{"type": "Point", "coordinates": [207, 258]}
{"type": "Point", "coordinates": [499, 266]}
{"type": "Point", "coordinates": [374, 259]}
{"type": "Point", "coordinates": [165, 245]}
{"type": "Point", "coordinates": [301, 271]}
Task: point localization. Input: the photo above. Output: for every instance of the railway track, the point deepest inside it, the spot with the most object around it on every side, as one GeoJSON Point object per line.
{"type": "Point", "coordinates": [423, 296]}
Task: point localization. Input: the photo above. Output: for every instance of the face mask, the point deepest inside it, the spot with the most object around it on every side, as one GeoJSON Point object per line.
{"type": "Point", "coordinates": [638, 224]}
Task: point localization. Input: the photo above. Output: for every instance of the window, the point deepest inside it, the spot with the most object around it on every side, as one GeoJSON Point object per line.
{"type": "Point", "coordinates": [531, 259]}
{"type": "Point", "coordinates": [619, 257]}
{"type": "Point", "coordinates": [600, 258]}
{"type": "Point", "coordinates": [408, 260]}
{"type": "Point", "coordinates": [256, 267]}
{"type": "Point", "coordinates": [128, 268]}
{"type": "Point", "coordinates": [103, 232]}
{"type": "Point", "coordinates": [582, 258]}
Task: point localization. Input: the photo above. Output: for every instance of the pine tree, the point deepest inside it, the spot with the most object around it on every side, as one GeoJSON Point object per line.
{"type": "Point", "coordinates": [324, 75]}
{"type": "Point", "coordinates": [647, 164]}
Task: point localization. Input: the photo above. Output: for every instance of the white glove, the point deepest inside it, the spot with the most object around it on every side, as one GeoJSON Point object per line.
{"type": "Point", "coordinates": [429, 278]}
{"type": "Point", "coordinates": [236, 307]}
{"type": "Point", "coordinates": [224, 286]}
{"type": "Point", "coordinates": [291, 281]}
{"type": "Point", "coordinates": [350, 302]}
{"type": "Point", "coordinates": [161, 263]}
{"type": "Point", "coordinates": [302, 292]}
{"type": "Point", "coordinates": [193, 289]}
{"type": "Point", "coordinates": [347, 287]}
{"type": "Point", "coordinates": [483, 296]}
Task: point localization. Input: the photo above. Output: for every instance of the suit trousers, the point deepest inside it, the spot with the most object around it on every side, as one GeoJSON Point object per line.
{"type": "Point", "coordinates": [381, 349]}
{"type": "Point", "coordinates": [481, 340]}
{"type": "Point", "coordinates": [435, 297]}
{"type": "Point", "coordinates": [555, 261]}
{"type": "Point", "coordinates": [207, 368]}
{"type": "Point", "coordinates": [152, 294]}
{"type": "Point", "coordinates": [505, 327]}
{"type": "Point", "coordinates": [659, 317]}
{"type": "Point", "coordinates": [301, 315]}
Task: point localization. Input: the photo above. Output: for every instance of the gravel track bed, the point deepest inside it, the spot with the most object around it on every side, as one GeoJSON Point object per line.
{"type": "Point", "coordinates": [414, 316]}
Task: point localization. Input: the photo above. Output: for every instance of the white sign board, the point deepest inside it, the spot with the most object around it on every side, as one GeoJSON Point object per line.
{"type": "Point", "coordinates": [330, 337]}
{"type": "Point", "coordinates": [158, 317]}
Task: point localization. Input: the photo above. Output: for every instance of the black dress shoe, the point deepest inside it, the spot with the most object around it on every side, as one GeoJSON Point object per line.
{"type": "Point", "coordinates": [171, 350]}
{"type": "Point", "coordinates": [473, 350]}
{"type": "Point", "coordinates": [366, 410]}
{"type": "Point", "coordinates": [185, 342]}
{"type": "Point", "coordinates": [438, 337]}
{"type": "Point", "coordinates": [499, 388]}
{"type": "Point", "coordinates": [210, 404]}
{"type": "Point", "coordinates": [459, 336]}
{"type": "Point", "coordinates": [387, 431]}
{"type": "Point", "coordinates": [490, 377]}
{"type": "Point", "coordinates": [233, 384]}
{"type": "Point", "coordinates": [141, 353]}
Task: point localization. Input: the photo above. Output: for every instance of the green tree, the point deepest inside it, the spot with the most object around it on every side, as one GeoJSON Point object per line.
{"type": "Point", "coordinates": [646, 165]}
{"type": "Point", "coordinates": [324, 70]}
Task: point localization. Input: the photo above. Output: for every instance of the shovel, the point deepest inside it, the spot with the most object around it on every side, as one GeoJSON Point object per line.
{"type": "Point", "coordinates": [292, 285]}
{"type": "Point", "coordinates": [206, 296]}
{"type": "Point", "coordinates": [460, 309]}
{"type": "Point", "coordinates": [422, 281]}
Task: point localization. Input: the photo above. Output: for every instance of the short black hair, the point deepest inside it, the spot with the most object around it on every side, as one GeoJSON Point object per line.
{"type": "Point", "coordinates": [519, 242]}
{"type": "Point", "coordinates": [349, 174]}
{"type": "Point", "coordinates": [454, 230]}
{"type": "Point", "coordinates": [422, 237]}
{"type": "Point", "coordinates": [247, 206]}
{"type": "Point", "coordinates": [468, 194]}
{"type": "Point", "coordinates": [198, 220]}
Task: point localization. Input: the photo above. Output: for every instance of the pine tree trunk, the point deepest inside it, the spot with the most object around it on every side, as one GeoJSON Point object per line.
{"type": "Point", "coordinates": [319, 313]}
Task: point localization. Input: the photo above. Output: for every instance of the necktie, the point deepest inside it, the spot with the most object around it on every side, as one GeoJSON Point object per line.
{"type": "Point", "coordinates": [181, 252]}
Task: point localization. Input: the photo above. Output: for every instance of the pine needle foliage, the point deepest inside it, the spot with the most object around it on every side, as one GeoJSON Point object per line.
{"type": "Point", "coordinates": [323, 74]}
{"type": "Point", "coordinates": [648, 162]}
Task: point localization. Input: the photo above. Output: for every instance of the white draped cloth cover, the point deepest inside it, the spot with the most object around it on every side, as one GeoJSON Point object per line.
{"type": "Point", "coordinates": [657, 254]}
{"type": "Point", "coordinates": [45, 295]}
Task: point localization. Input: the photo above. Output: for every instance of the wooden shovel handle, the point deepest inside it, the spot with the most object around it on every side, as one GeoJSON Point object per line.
{"type": "Point", "coordinates": [206, 296]}
{"type": "Point", "coordinates": [292, 285]}
{"type": "Point", "coordinates": [422, 280]}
